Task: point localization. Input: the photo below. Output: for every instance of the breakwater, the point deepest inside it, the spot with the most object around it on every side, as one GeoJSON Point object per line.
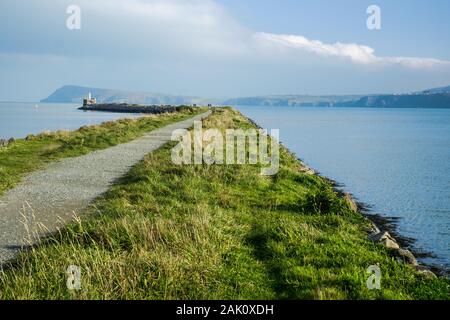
{"type": "Point", "coordinates": [132, 108]}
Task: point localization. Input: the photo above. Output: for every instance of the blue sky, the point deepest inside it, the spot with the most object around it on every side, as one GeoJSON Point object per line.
{"type": "Point", "coordinates": [223, 48]}
{"type": "Point", "coordinates": [428, 22]}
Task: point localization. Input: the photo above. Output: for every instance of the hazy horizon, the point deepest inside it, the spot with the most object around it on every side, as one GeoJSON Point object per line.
{"type": "Point", "coordinates": [206, 97]}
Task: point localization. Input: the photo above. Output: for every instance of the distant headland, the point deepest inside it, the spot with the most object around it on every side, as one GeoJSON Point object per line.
{"type": "Point", "coordinates": [431, 98]}
{"type": "Point", "coordinates": [76, 94]}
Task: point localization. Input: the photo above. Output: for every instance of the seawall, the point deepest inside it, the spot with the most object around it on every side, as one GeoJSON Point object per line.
{"type": "Point", "coordinates": [130, 108]}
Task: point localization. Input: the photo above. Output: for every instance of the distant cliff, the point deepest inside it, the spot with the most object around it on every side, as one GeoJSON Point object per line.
{"type": "Point", "coordinates": [292, 100]}
{"type": "Point", "coordinates": [439, 100]}
{"type": "Point", "coordinates": [75, 94]}
{"type": "Point", "coordinates": [431, 98]}
{"type": "Point", "coordinates": [416, 100]}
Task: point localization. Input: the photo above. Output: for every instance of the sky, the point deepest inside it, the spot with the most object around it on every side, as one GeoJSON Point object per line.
{"type": "Point", "coordinates": [223, 48]}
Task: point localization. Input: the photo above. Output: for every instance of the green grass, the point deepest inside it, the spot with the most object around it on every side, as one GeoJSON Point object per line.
{"type": "Point", "coordinates": [216, 232]}
{"type": "Point", "coordinates": [30, 154]}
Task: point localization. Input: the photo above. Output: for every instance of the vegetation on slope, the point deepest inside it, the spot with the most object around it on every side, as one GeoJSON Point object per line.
{"type": "Point", "coordinates": [216, 232]}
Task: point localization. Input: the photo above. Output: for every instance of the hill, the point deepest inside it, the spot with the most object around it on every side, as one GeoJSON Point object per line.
{"type": "Point", "coordinates": [439, 100]}
{"type": "Point", "coordinates": [292, 100]}
{"type": "Point", "coordinates": [432, 98]}
{"type": "Point", "coordinates": [75, 94]}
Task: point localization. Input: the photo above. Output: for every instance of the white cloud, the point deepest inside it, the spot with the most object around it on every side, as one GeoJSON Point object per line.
{"type": "Point", "coordinates": [212, 27]}
{"type": "Point", "coordinates": [200, 29]}
{"type": "Point", "coordinates": [357, 53]}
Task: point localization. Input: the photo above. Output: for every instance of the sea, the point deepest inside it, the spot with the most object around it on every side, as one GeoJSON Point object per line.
{"type": "Point", "coordinates": [18, 119]}
{"type": "Point", "coordinates": [396, 161]}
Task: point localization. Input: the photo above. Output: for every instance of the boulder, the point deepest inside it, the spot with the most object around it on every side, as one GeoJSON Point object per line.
{"type": "Point", "coordinates": [407, 257]}
{"type": "Point", "coordinates": [390, 244]}
{"type": "Point", "coordinates": [427, 274]}
{"type": "Point", "coordinates": [305, 170]}
{"type": "Point", "coordinates": [11, 140]}
{"type": "Point", "coordinates": [351, 203]}
{"type": "Point", "coordinates": [386, 239]}
{"type": "Point", "coordinates": [374, 229]}
{"type": "Point", "coordinates": [378, 237]}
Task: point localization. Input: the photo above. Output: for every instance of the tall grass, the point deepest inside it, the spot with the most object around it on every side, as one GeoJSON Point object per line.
{"type": "Point", "coordinates": [216, 232]}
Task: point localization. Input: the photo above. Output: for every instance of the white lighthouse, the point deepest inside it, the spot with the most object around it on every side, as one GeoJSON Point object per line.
{"type": "Point", "coordinates": [89, 100]}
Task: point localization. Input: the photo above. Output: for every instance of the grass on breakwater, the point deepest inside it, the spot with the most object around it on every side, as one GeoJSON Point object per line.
{"type": "Point", "coordinates": [26, 155]}
{"type": "Point", "coordinates": [216, 232]}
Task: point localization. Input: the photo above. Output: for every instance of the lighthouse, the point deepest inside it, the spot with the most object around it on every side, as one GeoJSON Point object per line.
{"type": "Point", "coordinates": [89, 100]}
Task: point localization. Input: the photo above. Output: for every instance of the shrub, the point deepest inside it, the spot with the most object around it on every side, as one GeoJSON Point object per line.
{"type": "Point", "coordinates": [323, 201]}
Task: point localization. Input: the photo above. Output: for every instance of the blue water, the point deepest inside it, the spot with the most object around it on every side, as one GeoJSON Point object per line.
{"type": "Point", "coordinates": [18, 119]}
{"type": "Point", "coordinates": [396, 160]}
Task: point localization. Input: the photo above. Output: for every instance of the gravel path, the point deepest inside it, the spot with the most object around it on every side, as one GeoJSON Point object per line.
{"type": "Point", "coordinates": [53, 196]}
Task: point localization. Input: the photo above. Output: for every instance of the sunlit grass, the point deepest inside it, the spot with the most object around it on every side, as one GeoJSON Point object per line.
{"type": "Point", "coordinates": [216, 232]}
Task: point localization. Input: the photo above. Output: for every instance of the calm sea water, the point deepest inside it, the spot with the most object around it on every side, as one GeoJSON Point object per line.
{"type": "Point", "coordinates": [18, 119]}
{"type": "Point", "coordinates": [396, 160]}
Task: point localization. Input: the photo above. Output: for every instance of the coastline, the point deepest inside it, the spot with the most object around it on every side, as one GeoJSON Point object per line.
{"type": "Point", "coordinates": [380, 223]}
{"type": "Point", "coordinates": [390, 225]}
